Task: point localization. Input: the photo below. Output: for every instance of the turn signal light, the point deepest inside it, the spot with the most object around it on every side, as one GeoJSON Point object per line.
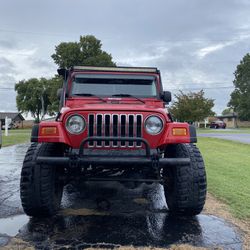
{"type": "Point", "coordinates": [179, 131]}
{"type": "Point", "coordinates": [49, 131]}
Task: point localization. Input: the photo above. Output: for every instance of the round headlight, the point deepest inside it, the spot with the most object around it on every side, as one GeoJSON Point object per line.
{"type": "Point", "coordinates": [75, 124]}
{"type": "Point", "coordinates": [153, 125]}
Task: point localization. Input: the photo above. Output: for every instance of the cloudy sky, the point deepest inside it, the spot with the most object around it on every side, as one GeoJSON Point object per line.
{"type": "Point", "coordinates": [196, 43]}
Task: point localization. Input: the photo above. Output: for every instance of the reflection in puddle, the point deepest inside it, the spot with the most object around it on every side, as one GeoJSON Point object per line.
{"type": "Point", "coordinates": [155, 225]}
{"type": "Point", "coordinates": [144, 229]}
{"type": "Point", "coordinates": [11, 225]}
{"type": "Point", "coordinates": [81, 211]}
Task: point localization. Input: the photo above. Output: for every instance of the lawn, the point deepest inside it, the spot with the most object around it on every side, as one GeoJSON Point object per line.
{"type": "Point", "coordinates": [16, 136]}
{"type": "Point", "coordinates": [228, 173]}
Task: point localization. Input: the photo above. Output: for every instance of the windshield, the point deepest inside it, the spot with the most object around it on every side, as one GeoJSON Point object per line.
{"type": "Point", "coordinates": [110, 85]}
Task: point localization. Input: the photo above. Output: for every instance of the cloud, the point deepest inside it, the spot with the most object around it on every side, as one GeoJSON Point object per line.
{"type": "Point", "coordinates": [193, 43]}
{"type": "Point", "coordinates": [201, 53]}
{"type": "Point", "coordinates": [210, 49]}
{"type": "Point", "coordinates": [27, 63]}
{"type": "Point", "coordinates": [41, 63]}
{"type": "Point", "coordinates": [135, 58]}
{"type": "Point", "coordinates": [7, 93]}
{"type": "Point", "coordinates": [18, 64]}
{"type": "Point", "coordinates": [6, 66]}
{"type": "Point", "coordinates": [8, 103]}
{"type": "Point", "coordinates": [7, 44]}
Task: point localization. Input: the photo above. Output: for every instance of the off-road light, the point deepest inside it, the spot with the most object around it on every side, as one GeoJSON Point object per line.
{"type": "Point", "coordinates": [179, 131]}
{"type": "Point", "coordinates": [153, 125]}
{"type": "Point", "coordinates": [75, 124]}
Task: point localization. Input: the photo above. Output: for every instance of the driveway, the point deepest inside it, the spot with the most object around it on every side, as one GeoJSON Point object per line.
{"type": "Point", "coordinates": [103, 215]}
{"type": "Point", "coordinates": [240, 137]}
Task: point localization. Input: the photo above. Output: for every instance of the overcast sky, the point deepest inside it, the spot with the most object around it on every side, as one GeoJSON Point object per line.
{"type": "Point", "coordinates": [195, 43]}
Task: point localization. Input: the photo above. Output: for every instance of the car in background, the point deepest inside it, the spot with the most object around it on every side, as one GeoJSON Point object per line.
{"type": "Point", "coordinates": [218, 124]}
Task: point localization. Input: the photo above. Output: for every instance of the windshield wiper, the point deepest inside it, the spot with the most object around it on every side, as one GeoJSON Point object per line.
{"type": "Point", "coordinates": [88, 94]}
{"type": "Point", "coordinates": [128, 95]}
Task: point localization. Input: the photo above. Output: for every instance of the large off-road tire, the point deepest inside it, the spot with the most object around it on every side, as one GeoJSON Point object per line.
{"type": "Point", "coordinates": [185, 186]}
{"type": "Point", "coordinates": [40, 186]}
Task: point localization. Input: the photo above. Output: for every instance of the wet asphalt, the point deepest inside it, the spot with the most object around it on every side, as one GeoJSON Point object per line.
{"type": "Point", "coordinates": [104, 215]}
{"type": "Point", "coordinates": [239, 137]}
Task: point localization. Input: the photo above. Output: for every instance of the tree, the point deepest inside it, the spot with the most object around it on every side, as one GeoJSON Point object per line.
{"type": "Point", "coordinates": [37, 96]}
{"type": "Point", "coordinates": [192, 107]}
{"type": "Point", "coordinates": [87, 52]}
{"type": "Point", "coordinates": [240, 97]}
{"type": "Point", "coordinates": [53, 85]}
{"type": "Point", "coordinates": [227, 111]}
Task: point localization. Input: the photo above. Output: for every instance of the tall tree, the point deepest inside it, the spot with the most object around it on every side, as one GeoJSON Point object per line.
{"type": "Point", "coordinates": [87, 52]}
{"type": "Point", "coordinates": [53, 85]}
{"type": "Point", "coordinates": [37, 96]}
{"type": "Point", "coordinates": [227, 111]}
{"type": "Point", "coordinates": [240, 97]}
{"type": "Point", "coordinates": [191, 107]}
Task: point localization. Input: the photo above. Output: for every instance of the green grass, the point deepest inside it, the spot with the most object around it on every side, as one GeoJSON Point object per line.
{"type": "Point", "coordinates": [231, 131]}
{"type": "Point", "coordinates": [228, 173]}
{"type": "Point", "coordinates": [16, 136]}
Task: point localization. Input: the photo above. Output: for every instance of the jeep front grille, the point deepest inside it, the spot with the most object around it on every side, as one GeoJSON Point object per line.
{"type": "Point", "coordinates": [115, 125]}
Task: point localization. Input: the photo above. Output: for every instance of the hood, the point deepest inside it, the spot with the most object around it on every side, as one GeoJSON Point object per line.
{"type": "Point", "coordinates": [115, 105]}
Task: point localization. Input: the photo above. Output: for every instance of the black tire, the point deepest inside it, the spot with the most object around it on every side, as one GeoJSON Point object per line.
{"type": "Point", "coordinates": [40, 186]}
{"type": "Point", "coordinates": [185, 186]}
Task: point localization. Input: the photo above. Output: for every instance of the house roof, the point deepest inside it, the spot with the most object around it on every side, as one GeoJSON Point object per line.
{"type": "Point", "coordinates": [13, 115]}
{"type": "Point", "coordinates": [234, 115]}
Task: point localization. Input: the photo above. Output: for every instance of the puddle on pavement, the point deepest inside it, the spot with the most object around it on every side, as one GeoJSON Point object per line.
{"type": "Point", "coordinates": [130, 220]}
{"type": "Point", "coordinates": [11, 225]}
{"type": "Point", "coordinates": [145, 229]}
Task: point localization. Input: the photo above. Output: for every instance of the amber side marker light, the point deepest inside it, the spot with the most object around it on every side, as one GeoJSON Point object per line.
{"type": "Point", "coordinates": [49, 131]}
{"type": "Point", "coordinates": [179, 131]}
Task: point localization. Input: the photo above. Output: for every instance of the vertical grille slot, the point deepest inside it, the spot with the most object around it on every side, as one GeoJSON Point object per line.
{"type": "Point", "coordinates": [138, 128]}
{"type": "Point", "coordinates": [115, 125]}
{"type": "Point", "coordinates": [123, 129]}
{"type": "Point", "coordinates": [115, 129]}
{"type": "Point", "coordinates": [91, 128]}
{"type": "Point", "coordinates": [107, 128]}
{"type": "Point", "coordinates": [131, 128]}
{"type": "Point", "coordinates": [99, 128]}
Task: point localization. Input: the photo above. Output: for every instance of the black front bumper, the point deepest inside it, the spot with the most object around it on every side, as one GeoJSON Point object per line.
{"type": "Point", "coordinates": [82, 159]}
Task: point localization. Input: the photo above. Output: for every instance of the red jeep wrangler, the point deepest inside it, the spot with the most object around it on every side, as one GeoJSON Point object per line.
{"type": "Point", "coordinates": [113, 125]}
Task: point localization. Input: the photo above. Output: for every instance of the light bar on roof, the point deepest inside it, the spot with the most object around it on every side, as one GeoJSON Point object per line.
{"type": "Point", "coordinates": [116, 69]}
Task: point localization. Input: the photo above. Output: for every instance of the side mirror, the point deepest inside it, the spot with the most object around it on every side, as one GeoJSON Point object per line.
{"type": "Point", "coordinates": [166, 96]}
{"type": "Point", "coordinates": [63, 72]}
{"type": "Point", "coordinates": [59, 93]}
